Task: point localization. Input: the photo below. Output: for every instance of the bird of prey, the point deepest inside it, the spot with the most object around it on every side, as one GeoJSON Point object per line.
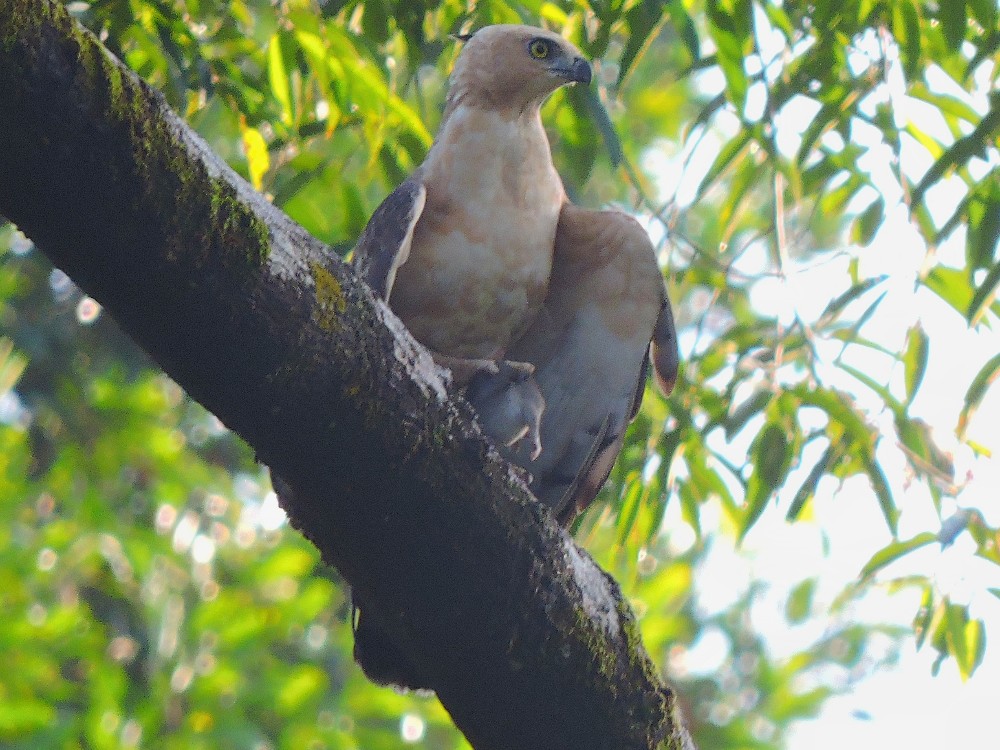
{"type": "Point", "coordinates": [605, 316]}
{"type": "Point", "coordinates": [462, 250]}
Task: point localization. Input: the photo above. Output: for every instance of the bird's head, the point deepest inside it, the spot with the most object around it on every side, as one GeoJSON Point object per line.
{"type": "Point", "coordinates": [515, 67]}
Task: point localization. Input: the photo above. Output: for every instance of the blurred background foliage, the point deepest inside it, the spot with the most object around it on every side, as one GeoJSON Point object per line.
{"type": "Point", "coordinates": [821, 180]}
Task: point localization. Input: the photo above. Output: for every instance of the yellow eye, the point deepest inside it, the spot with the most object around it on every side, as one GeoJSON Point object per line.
{"type": "Point", "coordinates": [538, 49]}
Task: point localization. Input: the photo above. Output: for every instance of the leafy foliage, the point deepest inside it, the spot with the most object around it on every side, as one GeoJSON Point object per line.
{"type": "Point", "coordinates": [823, 181]}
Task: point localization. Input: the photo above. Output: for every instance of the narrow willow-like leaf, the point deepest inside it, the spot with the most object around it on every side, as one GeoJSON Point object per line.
{"type": "Point", "coordinates": [953, 22]}
{"type": "Point", "coordinates": [808, 488]}
{"type": "Point", "coordinates": [984, 295]}
{"type": "Point", "coordinates": [982, 212]}
{"type": "Point", "coordinates": [771, 457]}
{"type": "Point", "coordinates": [977, 390]}
{"type": "Point", "coordinates": [743, 413]}
{"type": "Point", "coordinates": [894, 551]}
{"type": "Point", "coordinates": [922, 620]}
{"type": "Point", "coordinates": [883, 494]}
{"type": "Point", "coordinates": [278, 78]}
{"type": "Point", "coordinates": [736, 147]}
{"type": "Point", "coordinates": [959, 153]}
{"type": "Point", "coordinates": [642, 20]}
{"type": "Point", "coordinates": [906, 30]}
{"type": "Point", "coordinates": [956, 619]}
{"type": "Point", "coordinates": [837, 304]}
{"type": "Point", "coordinates": [915, 360]}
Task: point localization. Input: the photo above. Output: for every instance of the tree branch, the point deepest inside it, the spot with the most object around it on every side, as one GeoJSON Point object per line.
{"type": "Point", "coordinates": [526, 641]}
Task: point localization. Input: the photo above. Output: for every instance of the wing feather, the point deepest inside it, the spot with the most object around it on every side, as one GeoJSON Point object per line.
{"type": "Point", "coordinates": [384, 245]}
{"type": "Point", "coordinates": [590, 346]}
{"type": "Point", "coordinates": [666, 357]}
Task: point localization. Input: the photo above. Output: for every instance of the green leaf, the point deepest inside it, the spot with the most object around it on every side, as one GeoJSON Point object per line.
{"type": "Point", "coordinates": [786, 705]}
{"type": "Point", "coordinates": [882, 492]}
{"type": "Point", "coordinates": [947, 105]}
{"type": "Point", "coordinates": [629, 508]}
{"type": "Point", "coordinates": [864, 227]}
{"type": "Point", "coordinates": [808, 488]}
{"type": "Point", "coordinates": [690, 507]}
{"type": "Point", "coordinates": [780, 20]}
{"type": "Point", "coordinates": [845, 420]}
{"type": "Point", "coordinates": [23, 716]}
{"type": "Point", "coordinates": [799, 602]}
{"type": "Point", "coordinates": [868, 312]}
{"type": "Point", "coordinates": [303, 685]}
{"type": "Point", "coordinates": [834, 202]}
{"type": "Point", "coordinates": [916, 436]}
{"type": "Point", "coordinates": [12, 365]}
{"type": "Point", "coordinates": [771, 459]}
{"type": "Point", "coordinates": [740, 190]}
{"type": "Point", "coordinates": [375, 21]}
{"type": "Point", "coordinates": [985, 13]}
{"type": "Point", "coordinates": [837, 305]}
{"type": "Point", "coordinates": [685, 28]}
{"type": "Point", "coordinates": [879, 388]}
{"type": "Point", "coordinates": [743, 413]}
{"type": "Point", "coordinates": [951, 285]}
{"type": "Point", "coordinates": [736, 147]}
{"type": "Point", "coordinates": [278, 77]}
{"type": "Point", "coordinates": [772, 456]}
{"type": "Point", "coordinates": [984, 296]}
{"type": "Point", "coordinates": [730, 38]}
{"type": "Point", "coordinates": [975, 638]}
{"type": "Point", "coordinates": [922, 620]}
{"type": "Point", "coordinates": [827, 117]}
{"type": "Point", "coordinates": [894, 551]}
{"type": "Point", "coordinates": [286, 562]}
{"type": "Point", "coordinates": [643, 19]}
{"type": "Point", "coordinates": [915, 360]}
{"type": "Point", "coordinates": [983, 214]}
{"type": "Point", "coordinates": [906, 29]}
{"type": "Point", "coordinates": [258, 158]}
{"type": "Point", "coordinates": [591, 103]}
{"type": "Point", "coordinates": [959, 153]}
{"type": "Point", "coordinates": [953, 22]}
{"type": "Point", "coordinates": [977, 391]}
{"type": "Point", "coordinates": [966, 639]}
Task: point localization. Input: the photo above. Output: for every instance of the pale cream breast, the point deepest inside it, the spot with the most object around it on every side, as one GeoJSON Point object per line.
{"type": "Point", "coordinates": [482, 250]}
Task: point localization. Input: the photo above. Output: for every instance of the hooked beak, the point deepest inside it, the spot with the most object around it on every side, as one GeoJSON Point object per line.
{"type": "Point", "coordinates": [576, 70]}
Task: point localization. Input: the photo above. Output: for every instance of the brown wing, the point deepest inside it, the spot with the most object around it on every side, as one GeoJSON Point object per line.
{"type": "Point", "coordinates": [666, 356]}
{"type": "Point", "coordinates": [384, 245]}
{"type": "Point", "coordinates": [590, 347]}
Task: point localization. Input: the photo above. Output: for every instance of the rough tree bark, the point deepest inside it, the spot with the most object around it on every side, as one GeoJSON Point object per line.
{"type": "Point", "coordinates": [526, 641]}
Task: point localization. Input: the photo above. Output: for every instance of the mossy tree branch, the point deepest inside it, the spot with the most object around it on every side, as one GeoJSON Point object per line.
{"type": "Point", "coordinates": [527, 643]}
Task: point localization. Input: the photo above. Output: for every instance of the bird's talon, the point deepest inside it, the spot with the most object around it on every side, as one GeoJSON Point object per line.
{"type": "Point", "coordinates": [521, 371]}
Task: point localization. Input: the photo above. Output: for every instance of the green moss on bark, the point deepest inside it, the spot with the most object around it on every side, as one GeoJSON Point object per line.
{"type": "Point", "coordinates": [330, 300]}
{"type": "Point", "coordinates": [232, 233]}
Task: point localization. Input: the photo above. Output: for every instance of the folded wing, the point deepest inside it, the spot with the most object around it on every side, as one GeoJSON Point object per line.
{"type": "Point", "coordinates": [385, 244]}
{"type": "Point", "coordinates": [590, 346]}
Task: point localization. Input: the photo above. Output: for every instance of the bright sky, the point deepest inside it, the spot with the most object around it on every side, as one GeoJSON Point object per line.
{"type": "Point", "coordinates": [901, 705]}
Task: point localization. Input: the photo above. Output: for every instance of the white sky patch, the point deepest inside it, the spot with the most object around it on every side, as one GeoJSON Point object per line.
{"type": "Point", "coordinates": [271, 517]}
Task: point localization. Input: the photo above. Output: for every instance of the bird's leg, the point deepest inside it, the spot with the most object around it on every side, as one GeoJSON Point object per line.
{"type": "Point", "coordinates": [464, 369]}
{"type": "Point", "coordinates": [510, 404]}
